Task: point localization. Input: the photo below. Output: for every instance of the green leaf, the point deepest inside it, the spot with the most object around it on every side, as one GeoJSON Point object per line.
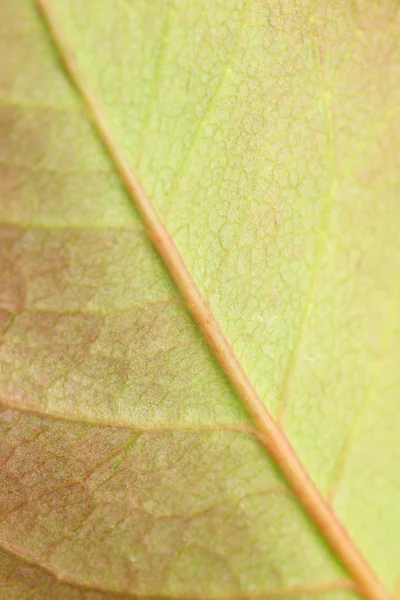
{"type": "Point", "coordinates": [135, 461]}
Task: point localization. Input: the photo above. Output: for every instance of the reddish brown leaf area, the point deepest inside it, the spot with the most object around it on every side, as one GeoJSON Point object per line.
{"type": "Point", "coordinates": [78, 269]}
{"type": "Point", "coordinates": [84, 501]}
{"type": "Point", "coordinates": [48, 176]}
{"type": "Point", "coordinates": [79, 338]}
{"type": "Point", "coordinates": [46, 138]}
{"type": "Point", "coordinates": [19, 578]}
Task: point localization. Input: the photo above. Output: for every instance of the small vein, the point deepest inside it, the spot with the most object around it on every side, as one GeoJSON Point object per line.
{"type": "Point", "coordinates": [49, 227]}
{"type": "Point", "coordinates": [345, 451]}
{"type": "Point", "coordinates": [156, 81]}
{"type": "Point", "coordinates": [41, 168]}
{"type": "Point", "coordinates": [69, 110]}
{"type": "Point", "coordinates": [33, 592]}
{"type": "Point", "coordinates": [208, 111]}
{"type": "Point", "coordinates": [321, 240]}
{"type": "Point", "coordinates": [135, 228]}
{"type": "Point", "coordinates": [7, 404]}
{"type": "Point", "coordinates": [92, 312]}
{"type": "Point", "coordinates": [65, 580]}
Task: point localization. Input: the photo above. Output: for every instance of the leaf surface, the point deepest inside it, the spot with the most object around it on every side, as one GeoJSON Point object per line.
{"type": "Point", "coordinates": [266, 139]}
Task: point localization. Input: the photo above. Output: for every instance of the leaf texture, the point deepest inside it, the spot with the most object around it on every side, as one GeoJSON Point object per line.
{"type": "Point", "coordinates": [264, 134]}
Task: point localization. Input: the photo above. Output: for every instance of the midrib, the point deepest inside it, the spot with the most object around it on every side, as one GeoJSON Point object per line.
{"type": "Point", "coordinates": [271, 436]}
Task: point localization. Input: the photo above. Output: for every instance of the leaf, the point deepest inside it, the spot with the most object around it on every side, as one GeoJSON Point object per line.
{"type": "Point", "coordinates": [265, 136]}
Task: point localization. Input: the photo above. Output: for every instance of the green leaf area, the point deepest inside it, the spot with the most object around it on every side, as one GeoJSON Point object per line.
{"type": "Point", "coordinates": [266, 134]}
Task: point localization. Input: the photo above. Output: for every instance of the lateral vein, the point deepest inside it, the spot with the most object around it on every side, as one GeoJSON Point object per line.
{"type": "Point", "coordinates": [61, 579]}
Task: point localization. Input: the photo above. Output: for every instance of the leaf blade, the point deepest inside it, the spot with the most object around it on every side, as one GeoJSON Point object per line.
{"type": "Point", "coordinates": [272, 436]}
{"type": "Point", "coordinates": [222, 308]}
